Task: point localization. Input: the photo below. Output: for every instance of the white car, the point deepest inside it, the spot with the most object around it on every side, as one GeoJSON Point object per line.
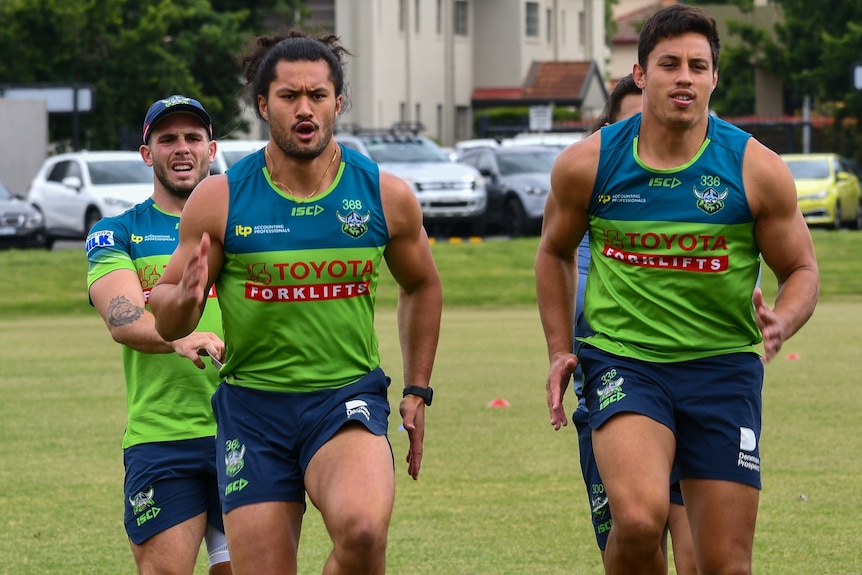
{"type": "Point", "coordinates": [452, 195]}
{"type": "Point", "coordinates": [229, 152]}
{"type": "Point", "coordinates": [73, 191]}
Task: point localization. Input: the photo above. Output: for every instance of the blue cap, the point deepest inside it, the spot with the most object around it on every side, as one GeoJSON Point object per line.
{"type": "Point", "coordinates": [174, 105]}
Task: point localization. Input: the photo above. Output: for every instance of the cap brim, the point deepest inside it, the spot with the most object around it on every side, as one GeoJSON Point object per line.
{"type": "Point", "coordinates": [180, 109]}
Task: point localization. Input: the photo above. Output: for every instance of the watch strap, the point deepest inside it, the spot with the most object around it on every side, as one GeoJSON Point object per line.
{"type": "Point", "coordinates": [426, 393]}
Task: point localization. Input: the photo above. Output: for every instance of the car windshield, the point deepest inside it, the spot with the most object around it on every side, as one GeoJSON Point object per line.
{"type": "Point", "coordinates": [5, 194]}
{"type": "Point", "coordinates": [112, 172]}
{"type": "Point", "coordinates": [526, 162]}
{"type": "Point", "coordinates": [405, 150]}
{"type": "Point", "coordinates": [808, 169]}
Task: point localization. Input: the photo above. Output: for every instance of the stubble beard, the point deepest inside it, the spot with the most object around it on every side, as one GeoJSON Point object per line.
{"type": "Point", "coordinates": [183, 191]}
{"type": "Point", "coordinates": [303, 152]}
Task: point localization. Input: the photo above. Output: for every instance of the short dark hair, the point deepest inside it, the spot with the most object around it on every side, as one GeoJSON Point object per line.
{"type": "Point", "coordinates": [672, 21]}
{"type": "Point", "coordinates": [259, 62]}
{"type": "Point", "coordinates": [611, 112]}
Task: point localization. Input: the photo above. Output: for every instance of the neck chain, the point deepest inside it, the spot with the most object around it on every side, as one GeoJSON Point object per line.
{"type": "Point", "coordinates": [286, 188]}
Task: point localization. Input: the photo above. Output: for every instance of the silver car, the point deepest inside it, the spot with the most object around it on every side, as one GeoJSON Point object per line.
{"type": "Point", "coordinates": [21, 226]}
{"type": "Point", "coordinates": [518, 180]}
{"type": "Point", "coordinates": [452, 195]}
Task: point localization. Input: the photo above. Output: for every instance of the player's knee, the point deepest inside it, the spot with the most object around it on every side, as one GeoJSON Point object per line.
{"type": "Point", "coordinates": [638, 527]}
{"type": "Point", "coordinates": [361, 535]}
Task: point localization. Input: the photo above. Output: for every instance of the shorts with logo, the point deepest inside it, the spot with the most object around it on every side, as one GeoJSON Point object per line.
{"type": "Point", "coordinates": [168, 483]}
{"type": "Point", "coordinates": [267, 438]}
{"type": "Point", "coordinates": [712, 405]}
{"type": "Point", "coordinates": [600, 512]}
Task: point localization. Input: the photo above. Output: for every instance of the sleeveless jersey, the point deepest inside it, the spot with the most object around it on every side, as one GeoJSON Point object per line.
{"type": "Point", "coordinates": [299, 280]}
{"type": "Point", "coordinates": [674, 260]}
{"type": "Point", "coordinates": [167, 396]}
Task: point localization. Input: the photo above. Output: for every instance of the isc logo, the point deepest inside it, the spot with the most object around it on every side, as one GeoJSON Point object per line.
{"type": "Point", "coordinates": [664, 182]}
{"type": "Point", "coordinates": [151, 513]}
{"type": "Point", "coordinates": [306, 210]}
{"type": "Point", "coordinates": [243, 231]}
{"type": "Point", "coordinates": [237, 485]}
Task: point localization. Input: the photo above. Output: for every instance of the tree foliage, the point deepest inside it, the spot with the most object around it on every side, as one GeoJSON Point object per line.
{"type": "Point", "coordinates": [813, 51]}
{"type": "Point", "coordinates": [133, 53]}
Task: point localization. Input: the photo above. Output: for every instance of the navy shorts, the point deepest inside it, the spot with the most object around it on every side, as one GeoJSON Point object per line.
{"type": "Point", "coordinates": [712, 405]}
{"type": "Point", "coordinates": [168, 483]}
{"type": "Point", "coordinates": [267, 438]}
{"type": "Point", "coordinates": [600, 512]}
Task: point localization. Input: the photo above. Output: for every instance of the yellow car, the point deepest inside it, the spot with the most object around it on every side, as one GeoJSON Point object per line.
{"type": "Point", "coordinates": [827, 190]}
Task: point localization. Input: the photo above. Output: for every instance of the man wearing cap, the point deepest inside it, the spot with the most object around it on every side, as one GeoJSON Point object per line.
{"type": "Point", "coordinates": [171, 490]}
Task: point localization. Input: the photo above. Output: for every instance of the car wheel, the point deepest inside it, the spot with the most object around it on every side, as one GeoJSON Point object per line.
{"type": "Point", "coordinates": [836, 222]}
{"type": "Point", "coordinates": [514, 218]}
{"type": "Point", "coordinates": [91, 219]}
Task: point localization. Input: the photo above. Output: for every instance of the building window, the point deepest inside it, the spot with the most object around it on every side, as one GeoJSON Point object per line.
{"type": "Point", "coordinates": [417, 10]}
{"type": "Point", "coordinates": [402, 112]}
{"type": "Point", "coordinates": [461, 24]}
{"type": "Point", "coordinates": [418, 117]}
{"type": "Point", "coordinates": [549, 26]}
{"type": "Point", "coordinates": [463, 130]}
{"type": "Point", "coordinates": [532, 20]}
{"type": "Point", "coordinates": [439, 121]}
{"type": "Point", "coordinates": [402, 15]}
{"type": "Point", "coordinates": [439, 16]}
{"type": "Point", "coordinates": [582, 28]}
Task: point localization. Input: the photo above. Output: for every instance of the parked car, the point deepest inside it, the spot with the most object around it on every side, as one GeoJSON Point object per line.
{"type": "Point", "coordinates": [557, 140]}
{"type": "Point", "coordinates": [452, 195]}
{"type": "Point", "coordinates": [465, 146]}
{"type": "Point", "coordinates": [827, 190]}
{"type": "Point", "coordinates": [21, 225]}
{"type": "Point", "coordinates": [73, 191]}
{"type": "Point", "coordinates": [518, 180]}
{"type": "Point", "coordinates": [229, 152]}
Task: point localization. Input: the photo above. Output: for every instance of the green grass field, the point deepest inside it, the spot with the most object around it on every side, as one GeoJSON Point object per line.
{"type": "Point", "coordinates": [500, 491]}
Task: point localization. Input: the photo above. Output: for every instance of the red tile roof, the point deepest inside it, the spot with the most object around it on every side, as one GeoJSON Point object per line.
{"type": "Point", "coordinates": [560, 82]}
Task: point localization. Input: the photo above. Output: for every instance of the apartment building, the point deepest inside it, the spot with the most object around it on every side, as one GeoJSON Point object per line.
{"type": "Point", "coordinates": [433, 61]}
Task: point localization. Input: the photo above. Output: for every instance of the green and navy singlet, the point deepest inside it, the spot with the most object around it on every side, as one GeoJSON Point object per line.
{"type": "Point", "coordinates": [674, 259]}
{"type": "Point", "coordinates": [298, 285]}
{"type": "Point", "coordinates": [167, 396]}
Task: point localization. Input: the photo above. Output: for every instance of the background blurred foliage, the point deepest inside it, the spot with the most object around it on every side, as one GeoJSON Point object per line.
{"type": "Point", "coordinates": [133, 53]}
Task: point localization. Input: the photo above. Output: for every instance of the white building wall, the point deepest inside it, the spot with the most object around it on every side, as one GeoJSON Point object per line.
{"type": "Point", "coordinates": [497, 32]}
{"type": "Point", "coordinates": [428, 75]}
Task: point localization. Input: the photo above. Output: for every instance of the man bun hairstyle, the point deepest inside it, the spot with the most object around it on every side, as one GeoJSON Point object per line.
{"type": "Point", "coordinates": [265, 52]}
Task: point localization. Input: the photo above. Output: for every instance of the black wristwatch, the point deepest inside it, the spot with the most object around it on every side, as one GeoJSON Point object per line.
{"type": "Point", "coordinates": [425, 393]}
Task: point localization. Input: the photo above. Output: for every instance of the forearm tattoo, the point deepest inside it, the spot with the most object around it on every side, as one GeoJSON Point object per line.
{"type": "Point", "coordinates": [122, 312]}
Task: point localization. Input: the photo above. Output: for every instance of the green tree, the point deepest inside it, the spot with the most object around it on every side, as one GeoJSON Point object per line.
{"type": "Point", "coordinates": [134, 52]}
{"type": "Point", "coordinates": [814, 52]}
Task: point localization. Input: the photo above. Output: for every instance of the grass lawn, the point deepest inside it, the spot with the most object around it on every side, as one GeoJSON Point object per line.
{"type": "Point", "coordinates": [500, 491]}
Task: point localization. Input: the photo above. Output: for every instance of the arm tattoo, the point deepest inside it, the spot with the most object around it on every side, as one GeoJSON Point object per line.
{"type": "Point", "coordinates": [122, 312]}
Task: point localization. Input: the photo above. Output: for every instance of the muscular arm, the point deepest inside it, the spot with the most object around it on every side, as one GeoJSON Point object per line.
{"type": "Point", "coordinates": [120, 302]}
{"type": "Point", "coordinates": [420, 302]}
{"type": "Point", "coordinates": [178, 299]}
{"type": "Point", "coordinates": [565, 222]}
{"type": "Point", "coordinates": [785, 242]}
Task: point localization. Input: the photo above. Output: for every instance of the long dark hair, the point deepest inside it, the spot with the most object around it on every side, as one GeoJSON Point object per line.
{"type": "Point", "coordinates": [259, 61]}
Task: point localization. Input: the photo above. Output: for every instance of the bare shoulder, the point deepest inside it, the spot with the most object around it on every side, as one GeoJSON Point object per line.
{"type": "Point", "coordinates": [769, 184]}
{"type": "Point", "coordinates": [400, 206]}
{"type": "Point", "coordinates": [206, 209]}
{"type": "Point", "coordinates": [574, 171]}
